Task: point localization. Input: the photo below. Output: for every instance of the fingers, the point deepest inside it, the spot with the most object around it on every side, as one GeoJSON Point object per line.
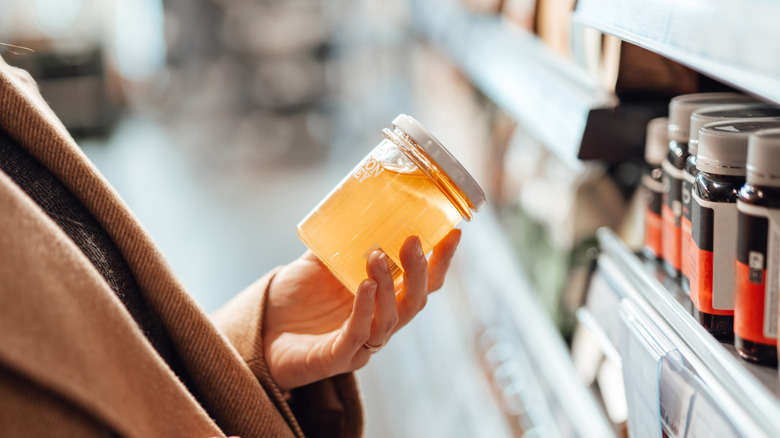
{"type": "Point", "coordinates": [414, 295]}
{"type": "Point", "coordinates": [358, 327]}
{"type": "Point", "coordinates": [385, 311]}
{"type": "Point", "coordinates": [441, 259]}
{"type": "Point", "coordinates": [378, 312]}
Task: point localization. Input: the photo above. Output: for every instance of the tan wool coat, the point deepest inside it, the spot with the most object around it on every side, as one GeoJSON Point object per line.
{"type": "Point", "coordinates": [74, 363]}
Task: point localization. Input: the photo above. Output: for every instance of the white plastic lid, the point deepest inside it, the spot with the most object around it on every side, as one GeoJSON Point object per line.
{"type": "Point", "coordinates": [723, 145]}
{"type": "Point", "coordinates": [763, 158]}
{"type": "Point", "coordinates": [656, 142]}
{"type": "Point", "coordinates": [717, 113]}
{"type": "Point", "coordinates": [444, 159]}
{"type": "Point", "coordinates": [681, 107]}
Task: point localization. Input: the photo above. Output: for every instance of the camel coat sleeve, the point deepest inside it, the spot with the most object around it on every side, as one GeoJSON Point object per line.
{"type": "Point", "coordinates": [70, 352]}
{"type": "Point", "coordinates": [330, 407]}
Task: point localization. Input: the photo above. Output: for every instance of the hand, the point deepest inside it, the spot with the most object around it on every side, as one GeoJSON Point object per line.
{"type": "Point", "coordinates": [315, 328]}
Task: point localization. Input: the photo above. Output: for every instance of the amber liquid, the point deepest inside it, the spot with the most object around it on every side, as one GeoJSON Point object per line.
{"type": "Point", "coordinates": [376, 207]}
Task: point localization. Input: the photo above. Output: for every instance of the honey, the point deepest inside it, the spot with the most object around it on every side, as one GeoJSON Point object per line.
{"type": "Point", "coordinates": [398, 190]}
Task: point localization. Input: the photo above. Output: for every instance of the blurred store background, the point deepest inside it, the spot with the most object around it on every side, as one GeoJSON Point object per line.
{"type": "Point", "coordinates": [222, 122]}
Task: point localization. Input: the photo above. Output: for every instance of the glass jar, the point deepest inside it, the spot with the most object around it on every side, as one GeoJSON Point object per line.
{"type": "Point", "coordinates": [409, 184]}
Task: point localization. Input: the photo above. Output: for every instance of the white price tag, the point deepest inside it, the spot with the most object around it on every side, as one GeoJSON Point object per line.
{"type": "Point", "coordinates": [641, 355]}
{"type": "Point", "coordinates": [706, 420]}
{"type": "Point", "coordinates": [676, 386]}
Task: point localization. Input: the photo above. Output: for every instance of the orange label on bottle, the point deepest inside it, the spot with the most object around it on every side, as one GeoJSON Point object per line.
{"type": "Point", "coordinates": [757, 275]}
{"type": "Point", "coordinates": [671, 237]}
{"type": "Point", "coordinates": [714, 226]}
{"type": "Point", "coordinates": [653, 232]}
{"type": "Point", "coordinates": [750, 306]}
{"type": "Point", "coordinates": [701, 285]}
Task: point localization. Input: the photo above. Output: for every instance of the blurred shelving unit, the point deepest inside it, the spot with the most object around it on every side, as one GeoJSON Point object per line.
{"type": "Point", "coordinates": [735, 42]}
{"type": "Point", "coordinates": [678, 380]}
{"type": "Point", "coordinates": [713, 392]}
{"type": "Point", "coordinates": [523, 354]}
{"type": "Point", "coordinates": [554, 98]}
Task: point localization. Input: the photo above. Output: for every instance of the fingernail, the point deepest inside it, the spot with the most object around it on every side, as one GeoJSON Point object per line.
{"type": "Point", "coordinates": [383, 262]}
{"type": "Point", "coordinates": [419, 248]}
{"type": "Point", "coordinates": [371, 290]}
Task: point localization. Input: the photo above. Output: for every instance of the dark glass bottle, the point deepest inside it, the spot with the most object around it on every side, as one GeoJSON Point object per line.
{"type": "Point", "coordinates": [652, 185]}
{"type": "Point", "coordinates": [699, 118]}
{"type": "Point", "coordinates": [715, 198]}
{"type": "Point", "coordinates": [758, 252]}
{"type": "Point", "coordinates": [680, 110]}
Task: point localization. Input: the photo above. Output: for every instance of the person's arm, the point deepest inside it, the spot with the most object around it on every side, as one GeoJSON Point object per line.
{"type": "Point", "coordinates": [303, 333]}
{"type": "Point", "coordinates": [327, 408]}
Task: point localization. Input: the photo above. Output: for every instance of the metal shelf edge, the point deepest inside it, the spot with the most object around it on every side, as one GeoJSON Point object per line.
{"type": "Point", "coordinates": [729, 41]}
{"type": "Point", "coordinates": [492, 257]}
{"type": "Point", "coordinates": [551, 96]}
{"type": "Point", "coordinates": [745, 388]}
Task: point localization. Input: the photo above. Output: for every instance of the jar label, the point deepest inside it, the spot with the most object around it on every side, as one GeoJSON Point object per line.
{"type": "Point", "coordinates": [714, 226]}
{"type": "Point", "coordinates": [757, 278]}
{"type": "Point", "coordinates": [368, 168]}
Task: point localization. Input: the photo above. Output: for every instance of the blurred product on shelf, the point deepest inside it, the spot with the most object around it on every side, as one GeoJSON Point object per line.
{"type": "Point", "coordinates": [599, 370]}
{"type": "Point", "coordinates": [627, 69]}
{"type": "Point", "coordinates": [553, 24]}
{"type": "Point", "coordinates": [78, 86]}
{"type": "Point", "coordinates": [500, 183]}
{"type": "Point", "coordinates": [680, 110]}
{"type": "Point", "coordinates": [520, 12]}
{"type": "Point", "coordinates": [482, 7]}
{"type": "Point", "coordinates": [721, 160]}
{"type": "Point", "coordinates": [264, 75]}
{"type": "Point", "coordinates": [655, 152]}
{"type": "Point", "coordinates": [553, 221]}
{"type": "Point", "coordinates": [73, 51]}
{"type": "Point", "coordinates": [699, 118]}
{"type": "Point", "coordinates": [758, 252]}
{"type": "Point", "coordinates": [274, 28]}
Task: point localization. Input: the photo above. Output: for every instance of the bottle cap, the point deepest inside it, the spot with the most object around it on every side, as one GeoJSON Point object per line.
{"type": "Point", "coordinates": [656, 143]}
{"type": "Point", "coordinates": [681, 107]}
{"type": "Point", "coordinates": [444, 159]}
{"type": "Point", "coordinates": [763, 158]}
{"type": "Point", "coordinates": [723, 145]}
{"type": "Point", "coordinates": [717, 113]}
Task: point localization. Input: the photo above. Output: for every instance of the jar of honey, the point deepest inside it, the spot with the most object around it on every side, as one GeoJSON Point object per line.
{"type": "Point", "coordinates": [408, 185]}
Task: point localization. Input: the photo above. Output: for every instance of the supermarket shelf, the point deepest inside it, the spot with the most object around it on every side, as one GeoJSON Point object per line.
{"type": "Point", "coordinates": [507, 307]}
{"type": "Point", "coordinates": [554, 99]}
{"type": "Point", "coordinates": [749, 393]}
{"type": "Point", "coordinates": [735, 42]}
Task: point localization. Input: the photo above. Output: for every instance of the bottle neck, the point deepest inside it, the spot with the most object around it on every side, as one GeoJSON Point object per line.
{"type": "Point", "coordinates": [439, 177]}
